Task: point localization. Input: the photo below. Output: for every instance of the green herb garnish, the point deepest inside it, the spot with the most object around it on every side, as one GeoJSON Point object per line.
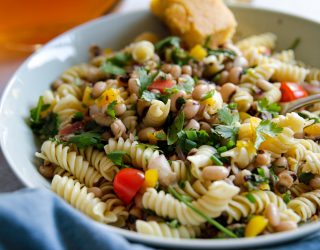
{"type": "Point", "coordinates": [169, 41]}
{"type": "Point", "coordinates": [78, 116]}
{"type": "Point", "coordinates": [295, 44]}
{"type": "Point", "coordinates": [251, 198]}
{"type": "Point", "coordinates": [110, 109]}
{"type": "Point", "coordinates": [216, 160]}
{"type": "Point", "coordinates": [266, 128]}
{"type": "Point", "coordinates": [213, 222]}
{"type": "Point", "coordinates": [174, 223]}
{"type": "Point", "coordinates": [110, 68]}
{"type": "Point", "coordinates": [287, 197]}
{"type": "Point", "coordinates": [118, 157]}
{"type": "Point", "coordinates": [175, 128]}
{"type": "Point", "coordinates": [145, 79]}
{"type": "Point", "coordinates": [264, 107]}
{"type": "Point", "coordinates": [208, 95]}
{"type": "Point", "coordinates": [87, 139]}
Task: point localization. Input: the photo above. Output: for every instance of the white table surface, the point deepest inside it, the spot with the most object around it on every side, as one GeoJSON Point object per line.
{"type": "Point", "coordinates": [306, 8]}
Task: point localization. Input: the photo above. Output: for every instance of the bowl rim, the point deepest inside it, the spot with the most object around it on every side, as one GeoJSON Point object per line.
{"type": "Point", "coordinates": [264, 240]}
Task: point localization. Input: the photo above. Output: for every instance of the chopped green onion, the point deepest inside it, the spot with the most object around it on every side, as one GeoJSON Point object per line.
{"type": "Point", "coordinates": [261, 172]}
{"type": "Point", "coordinates": [216, 161]}
{"type": "Point", "coordinates": [222, 149]}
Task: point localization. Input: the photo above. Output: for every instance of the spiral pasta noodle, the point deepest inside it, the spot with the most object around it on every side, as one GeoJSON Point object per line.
{"type": "Point", "coordinates": [163, 230]}
{"type": "Point", "coordinates": [157, 114]}
{"type": "Point", "coordinates": [213, 203]}
{"type": "Point", "coordinates": [70, 161]}
{"type": "Point", "coordinates": [267, 40]}
{"type": "Point", "coordinates": [79, 197]}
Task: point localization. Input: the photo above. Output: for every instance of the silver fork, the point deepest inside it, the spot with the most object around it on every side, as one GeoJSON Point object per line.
{"type": "Point", "coordinates": [287, 107]}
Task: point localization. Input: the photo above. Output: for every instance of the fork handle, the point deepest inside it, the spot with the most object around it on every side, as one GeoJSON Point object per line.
{"type": "Point", "coordinates": [291, 106]}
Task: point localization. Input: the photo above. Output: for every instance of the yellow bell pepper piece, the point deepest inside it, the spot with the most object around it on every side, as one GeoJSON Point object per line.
{"type": "Point", "coordinates": [108, 96]}
{"type": "Point", "coordinates": [198, 52]}
{"type": "Point", "coordinates": [264, 186]}
{"type": "Point", "coordinates": [150, 178]}
{"type": "Point", "coordinates": [313, 130]}
{"type": "Point", "coordinates": [209, 101]}
{"type": "Point", "coordinates": [152, 138]}
{"type": "Point", "coordinates": [87, 99]}
{"type": "Point", "coordinates": [248, 145]}
{"type": "Point", "coordinates": [243, 116]}
{"type": "Point", "coordinates": [255, 226]}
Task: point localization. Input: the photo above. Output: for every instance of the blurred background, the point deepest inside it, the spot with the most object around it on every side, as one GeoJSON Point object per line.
{"type": "Point", "coordinates": [26, 25]}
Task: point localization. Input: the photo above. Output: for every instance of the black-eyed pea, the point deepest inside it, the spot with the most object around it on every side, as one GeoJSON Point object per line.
{"type": "Point", "coordinates": [174, 97]}
{"type": "Point", "coordinates": [175, 71]}
{"type": "Point", "coordinates": [286, 178]}
{"type": "Point", "coordinates": [190, 108]}
{"type": "Point", "coordinates": [272, 214]}
{"type": "Point", "coordinates": [133, 85]}
{"type": "Point", "coordinates": [240, 61]}
{"type": "Point", "coordinates": [143, 133]}
{"type": "Point", "coordinates": [235, 74]}
{"type": "Point", "coordinates": [187, 69]}
{"type": "Point", "coordinates": [286, 226]}
{"type": "Point", "coordinates": [46, 171]}
{"type": "Point", "coordinates": [193, 124]}
{"type": "Point", "coordinates": [199, 91]}
{"type": "Point", "coordinates": [166, 68]}
{"type": "Point", "coordinates": [227, 90]}
{"type": "Point", "coordinates": [215, 173]}
{"type": "Point", "coordinates": [120, 108]}
{"type": "Point", "coordinates": [224, 77]}
{"type": "Point", "coordinates": [263, 159]}
{"type": "Point", "coordinates": [96, 191]}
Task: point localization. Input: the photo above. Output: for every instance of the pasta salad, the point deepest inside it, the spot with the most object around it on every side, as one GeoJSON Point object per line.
{"type": "Point", "coordinates": [184, 143]}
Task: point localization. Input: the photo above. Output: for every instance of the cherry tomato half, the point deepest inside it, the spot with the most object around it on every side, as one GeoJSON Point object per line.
{"type": "Point", "coordinates": [161, 85]}
{"type": "Point", "coordinates": [292, 91]}
{"type": "Point", "coordinates": [71, 128]}
{"type": "Point", "coordinates": [127, 183]}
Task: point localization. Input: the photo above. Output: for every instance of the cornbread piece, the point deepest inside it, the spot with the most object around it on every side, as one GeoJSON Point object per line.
{"type": "Point", "coordinates": [195, 20]}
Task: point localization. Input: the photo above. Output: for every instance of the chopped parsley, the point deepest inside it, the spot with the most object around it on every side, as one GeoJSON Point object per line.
{"type": "Point", "coordinates": [264, 107]}
{"type": "Point", "coordinates": [251, 198]}
{"type": "Point", "coordinates": [169, 41]}
{"type": "Point", "coordinates": [230, 120]}
{"type": "Point", "coordinates": [78, 116]}
{"type": "Point", "coordinates": [287, 197]}
{"type": "Point", "coordinates": [208, 95]}
{"type": "Point", "coordinates": [119, 157]}
{"type": "Point", "coordinates": [114, 65]}
{"type": "Point", "coordinates": [145, 79]}
{"type": "Point", "coordinates": [110, 109]}
{"type": "Point", "coordinates": [47, 126]}
{"type": "Point", "coordinates": [110, 68]}
{"type": "Point", "coordinates": [266, 129]}
{"type": "Point", "coordinates": [87, 139]}
{"type": "Point", "coordinates": [175, 128]}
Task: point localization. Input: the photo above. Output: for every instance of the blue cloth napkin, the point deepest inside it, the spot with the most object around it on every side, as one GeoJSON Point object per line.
{"type": "Point", "coordinates": [38, 219]}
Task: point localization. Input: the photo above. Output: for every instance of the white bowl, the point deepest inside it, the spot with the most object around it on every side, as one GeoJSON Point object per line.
{"type": "Point", "coordinates": [115, 31]}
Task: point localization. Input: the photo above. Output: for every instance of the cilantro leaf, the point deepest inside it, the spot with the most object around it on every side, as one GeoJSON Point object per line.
{"type": "Point", "coordinates": [264, 107]}
{"type": "Point", "coordinates": [227, 132]}
{"type": "Point", "coordinates": [145, 79]}
{"type": "Point", "coordinates": [287, 197]}
{"type": "Point", "coordinates": [226, 52]}
{"type": "Point", "coordinates": [227, 117]}
{"type": "Point", "coordinates": [266, 128]}
{"type": "Point", "coordinates": [109, 67]}
{"type": "Point", "coordinates": [86, 139]}
{"type": "Point", "coordinates": [149, 96]}
{"type": "Point", "coordinates": [120, 59]}
{"type": "Point", "coordinates": [180, 56]}
{"type": "Point", "coordinates": [118, 157]}
{"type": "Point", "coordinates": [186, 84]}
{"type": "Point", "coordinates": [251, 198]}
{"type": "Point", "coordinates": [168, 41]}
{"type": "Point", "coordinates": [175, 128]}
{"type": "Point", "coordinates": [110, 109]}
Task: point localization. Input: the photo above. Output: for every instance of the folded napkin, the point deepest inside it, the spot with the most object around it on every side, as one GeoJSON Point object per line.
{"type": "Point", "coordinates": [38, 219]}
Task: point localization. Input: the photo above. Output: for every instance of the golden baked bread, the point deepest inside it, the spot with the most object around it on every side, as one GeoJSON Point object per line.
{"type": "Point", "coordinates": [195, 20]}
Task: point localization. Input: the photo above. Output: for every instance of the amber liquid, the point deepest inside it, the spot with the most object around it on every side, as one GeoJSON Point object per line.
{"type": "Point", "coordinates": [26, 24]}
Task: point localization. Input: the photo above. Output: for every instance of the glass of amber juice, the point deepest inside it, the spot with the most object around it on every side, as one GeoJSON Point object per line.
{"type": "Point", "coordinates": [26, 24]}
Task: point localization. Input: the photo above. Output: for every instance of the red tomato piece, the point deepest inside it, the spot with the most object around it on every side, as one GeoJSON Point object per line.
{"type": "Point", "coordinates": [71, 128]}
{"type": "Point", "coordinates": [127, 183]}
{"type": "Point", "coordinates": [161, 85]}
{"type": "Point", "coordinates": [292, 91]}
